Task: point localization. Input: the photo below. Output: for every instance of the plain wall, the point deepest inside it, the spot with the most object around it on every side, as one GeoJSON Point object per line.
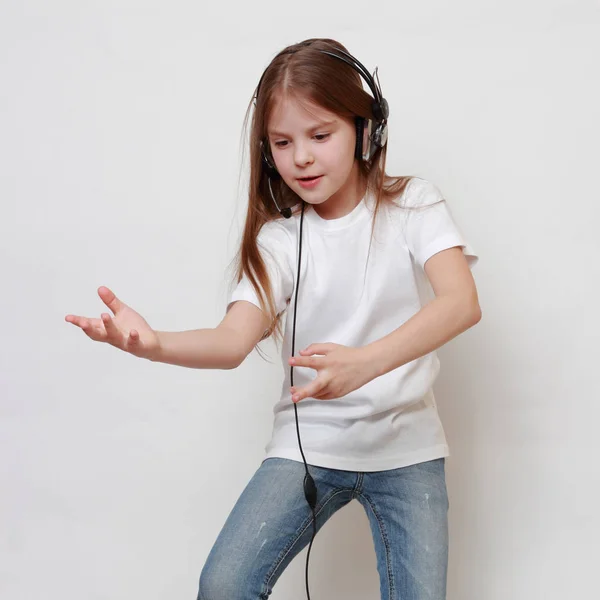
{"type": "Point", "coordinates": [120, 166]}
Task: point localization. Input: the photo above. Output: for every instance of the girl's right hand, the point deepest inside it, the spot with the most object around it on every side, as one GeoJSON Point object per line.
{"type": "Point", "coordinates": [128, 330]}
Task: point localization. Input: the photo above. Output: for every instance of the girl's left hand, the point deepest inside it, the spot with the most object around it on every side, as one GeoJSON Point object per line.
{"type": "Point", "coordinates": [341, 370]}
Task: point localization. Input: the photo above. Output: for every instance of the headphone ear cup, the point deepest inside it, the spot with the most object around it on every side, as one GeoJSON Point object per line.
{"type": "Point", "coordinates": [380, 134]}
{"type": "Point", "coordinates": [364, 143]}
{"type": "Point", "coordinates": [268, 162]}
{"type": "Point", "coordinates": [360, 134]}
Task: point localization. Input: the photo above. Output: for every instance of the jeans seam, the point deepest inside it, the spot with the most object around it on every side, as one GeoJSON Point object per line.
{"type": "Point", "coordinates": [357, 487]}
{"type": "Point", "coordinates": [384, 537]}
{"type": "Point", "coordinates": [299, 534]}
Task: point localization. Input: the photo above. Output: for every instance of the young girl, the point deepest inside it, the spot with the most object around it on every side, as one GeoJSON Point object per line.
{"type": "Point", "coordinates": [358, 251]}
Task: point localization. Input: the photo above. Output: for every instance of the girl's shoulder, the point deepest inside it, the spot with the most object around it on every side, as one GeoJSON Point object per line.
{"type": "Point", "coordinates": [418, 193]}
{"type": "Point", "coordinates": [277, 232]}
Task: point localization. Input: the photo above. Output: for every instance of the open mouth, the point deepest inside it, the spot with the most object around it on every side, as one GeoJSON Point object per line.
{"type": "Point", "coordinates": [308, 183]}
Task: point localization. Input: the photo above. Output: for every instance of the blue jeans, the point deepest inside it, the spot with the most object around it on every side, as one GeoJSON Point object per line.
{"type": "Point", "coordinates": [271, 523]}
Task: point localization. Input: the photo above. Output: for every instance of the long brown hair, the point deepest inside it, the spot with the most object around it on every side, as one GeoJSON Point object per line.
{"type": "Point", "coordinates": [302, 71]}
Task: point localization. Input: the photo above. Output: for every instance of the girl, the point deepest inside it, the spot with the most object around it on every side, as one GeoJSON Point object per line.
{"type": "Point", "coordinates": [369, 249]}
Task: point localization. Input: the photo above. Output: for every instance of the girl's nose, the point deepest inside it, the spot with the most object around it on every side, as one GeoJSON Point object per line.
{"type": "Point", "coordinates": [303, 156]}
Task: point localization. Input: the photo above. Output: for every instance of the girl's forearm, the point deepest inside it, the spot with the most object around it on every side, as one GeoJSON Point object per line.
{"type": "Point", "coordinates": [436, 323]}
{"type": "Point", "coordinates": [198, 348]}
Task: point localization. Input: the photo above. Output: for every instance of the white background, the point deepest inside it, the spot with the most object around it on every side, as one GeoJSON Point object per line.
{"type": "Point", "coordinates": [120, 165]}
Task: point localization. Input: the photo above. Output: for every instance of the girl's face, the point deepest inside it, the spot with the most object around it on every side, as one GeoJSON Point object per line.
{"type": "Point", "coordinates": [307, 141]}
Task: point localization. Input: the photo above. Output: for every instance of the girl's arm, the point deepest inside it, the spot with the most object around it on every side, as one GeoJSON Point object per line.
{"type": "Point", "coordinates": [223, 347]}
{"type": "Point", "coordinates": [344, 369]}
{"type": "Point", "coordinates": [454, 309]}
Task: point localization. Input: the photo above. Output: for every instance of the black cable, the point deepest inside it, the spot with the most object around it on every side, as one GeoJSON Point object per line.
{"type": "Point", "coordinates": [310, 489]}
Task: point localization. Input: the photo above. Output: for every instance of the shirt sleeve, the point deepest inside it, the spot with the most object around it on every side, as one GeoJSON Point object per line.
{"type": "Point", "coordinates": [275, 246]}
{"type": "Point", "coordinates": [429, 225]}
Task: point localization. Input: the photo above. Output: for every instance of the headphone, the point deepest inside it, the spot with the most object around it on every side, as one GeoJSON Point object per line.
{"type": "Point", "coordinates": [370, 135]}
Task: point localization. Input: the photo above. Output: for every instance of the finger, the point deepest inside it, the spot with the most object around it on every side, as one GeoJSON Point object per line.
{"type": "Point", "coordinates": [309, 391]}
{"type": "Point", "coordinates": [93, 328]}
{"type": "Point", "coordinates": [109, 298]}
{"type": "Point", "coordinates": [112, 332]}
{"type": "Point", "coordinates": [133, 340]}
{"type": "Point", "coordinates": [294, 389]}
{"type": "Point", "coordinates": [317, 349]}
{"type": "Point", "coordinates": [312, 362]}
{"type": "Point", "coordinates": [324, 393]}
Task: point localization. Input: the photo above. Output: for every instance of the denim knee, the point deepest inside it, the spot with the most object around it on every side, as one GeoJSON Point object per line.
{"type": "Point", "coordinates": [224, 583]}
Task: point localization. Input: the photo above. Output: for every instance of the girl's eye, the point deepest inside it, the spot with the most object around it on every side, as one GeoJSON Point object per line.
{"type": "Point", "coordinates": [320, 137]}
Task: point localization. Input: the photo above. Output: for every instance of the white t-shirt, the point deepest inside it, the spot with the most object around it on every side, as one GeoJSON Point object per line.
{"type": "Point", "coordinates": [392, 421]}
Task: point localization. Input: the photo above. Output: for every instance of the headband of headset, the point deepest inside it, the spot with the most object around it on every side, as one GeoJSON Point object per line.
{"type": "Point", "coordinates": [380, 109]}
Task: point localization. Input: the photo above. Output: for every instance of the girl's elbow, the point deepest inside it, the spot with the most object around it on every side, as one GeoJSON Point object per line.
{"type": "Point", "coordinates": [475, 315]}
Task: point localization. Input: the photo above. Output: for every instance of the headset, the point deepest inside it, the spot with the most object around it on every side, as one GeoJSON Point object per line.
{"type": "Point", "coordinates": [370, 135]}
